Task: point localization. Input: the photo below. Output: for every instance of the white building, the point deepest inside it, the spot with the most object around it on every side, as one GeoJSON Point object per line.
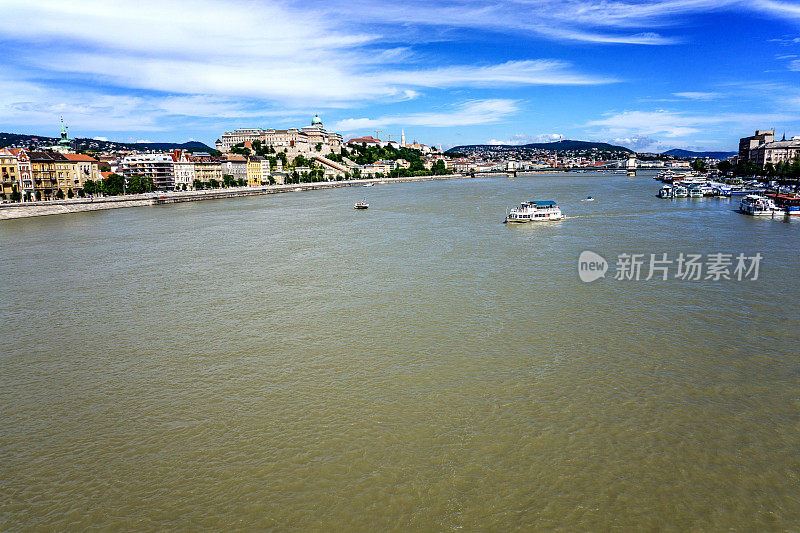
{"type": "Point", "coordinates": [236, 166]}
{"type": "Point", "coordinates": [183, 170]}
{"type": "Point", "coordinates": [160, 167]}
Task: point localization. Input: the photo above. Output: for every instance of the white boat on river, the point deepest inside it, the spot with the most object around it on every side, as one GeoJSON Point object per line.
{"type": "Point", "coordinates": [534, 211]}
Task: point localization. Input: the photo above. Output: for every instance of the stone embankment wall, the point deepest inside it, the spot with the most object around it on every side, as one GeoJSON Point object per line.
{"type": "Point", "coordinates": [77, 205]}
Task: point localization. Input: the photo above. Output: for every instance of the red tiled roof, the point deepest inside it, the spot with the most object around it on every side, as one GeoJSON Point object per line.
{"type": "Point", "coordinates": [80, 157]}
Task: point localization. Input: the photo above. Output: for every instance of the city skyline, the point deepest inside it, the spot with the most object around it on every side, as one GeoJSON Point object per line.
{"type": "Point", "coordinates": [649, 76]}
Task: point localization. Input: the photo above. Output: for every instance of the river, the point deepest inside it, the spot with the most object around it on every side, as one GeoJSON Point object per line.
{"type": "Point", "coordinates": [286, 362]}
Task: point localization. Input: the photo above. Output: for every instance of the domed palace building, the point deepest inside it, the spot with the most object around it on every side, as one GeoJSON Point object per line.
{"type": "Point", "coordinates": [313, 139]}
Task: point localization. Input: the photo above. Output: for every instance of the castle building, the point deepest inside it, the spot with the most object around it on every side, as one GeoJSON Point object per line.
{"type": "Point", "coordinates": [313, 139]}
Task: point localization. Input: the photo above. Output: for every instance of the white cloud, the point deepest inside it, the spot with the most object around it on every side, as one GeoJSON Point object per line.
{"type": "Point", "coordinates": [781, 9]}
{"type": "Point", "coordinates": [698, 95]}
{"type": "Point", "coordinates": [470, 113]}
{"type": "Point", "coordinates": [795, 65]}
{"type": "Point", "coordinates": [523, 138]}
{"type": "Point", "coordinates": [676, 125]}
{"type": "Point", "coordinates": [231, 49]}
{"type": "Point", "coordinates": [100, 138]}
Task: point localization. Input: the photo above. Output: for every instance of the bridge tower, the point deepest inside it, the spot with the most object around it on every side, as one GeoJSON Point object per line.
{"type": "Point", "coordinates": [631, 165]}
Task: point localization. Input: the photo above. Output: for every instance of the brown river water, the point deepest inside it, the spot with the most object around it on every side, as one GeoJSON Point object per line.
{"type": "Point", "coordinates": [289, 363]}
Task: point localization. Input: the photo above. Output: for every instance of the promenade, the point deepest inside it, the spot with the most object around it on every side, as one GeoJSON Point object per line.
{"type": "Point", "coordinates": [78, 205]}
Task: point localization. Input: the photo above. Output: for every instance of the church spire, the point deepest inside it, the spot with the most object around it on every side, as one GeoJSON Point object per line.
{"type": "Point", "coordinates": [64, 135]}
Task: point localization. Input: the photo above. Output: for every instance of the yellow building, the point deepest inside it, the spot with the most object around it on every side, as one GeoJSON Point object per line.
{"type": "Point", "coordinates": [64, 171]}
{"type": "Point", "coordinates": [258, 171]}
{"type": "Point", "coordinates": [83, 168]}
{"type": "Point", "coordinates": [10, 185]}
{"type": "Point", "coordinates": [43, 171]}
{"type": "Point", "coordinates": [207, 168]}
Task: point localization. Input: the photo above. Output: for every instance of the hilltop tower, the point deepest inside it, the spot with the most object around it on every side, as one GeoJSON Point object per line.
{"type": "Point", "coordinates": [402, 138]}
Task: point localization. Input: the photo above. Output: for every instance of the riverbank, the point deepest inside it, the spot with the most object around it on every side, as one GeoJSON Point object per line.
{"type": "Point", "coordinates": [78, 205]}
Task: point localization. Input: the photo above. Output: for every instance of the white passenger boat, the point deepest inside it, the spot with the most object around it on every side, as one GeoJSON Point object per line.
{"type": "Point", "coordinates": [680, 191]}
{"type": "Point", "coordinates": [534, 211]}
{"type": "Point", "coordinates": [695, 192]}
{"type": "Point", "coordinates": [665, 192]}
{"type": "Point", "coordinates": [756, 205]}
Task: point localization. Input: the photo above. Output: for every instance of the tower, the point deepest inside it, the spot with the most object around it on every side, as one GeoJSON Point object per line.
{"type": "Point", "coordinates": [64, 135]}
{"type": "Point", "coordinates": [402, 138]}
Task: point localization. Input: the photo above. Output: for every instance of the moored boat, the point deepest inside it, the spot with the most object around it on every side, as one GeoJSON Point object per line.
{"type": "Point", "coordinates": [790, 203]}
{"type": "Point", "coordinates": [534, 211]}
{"type": "Point", "coordinates": [665, 192]}
{"type": "Point", "coordinates": [680, 191]}
{"type": "Point", "coordinates": [755, 205]}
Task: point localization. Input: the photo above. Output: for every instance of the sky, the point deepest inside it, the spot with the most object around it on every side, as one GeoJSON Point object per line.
{"type": "Point", "coordinates": [693, 74]}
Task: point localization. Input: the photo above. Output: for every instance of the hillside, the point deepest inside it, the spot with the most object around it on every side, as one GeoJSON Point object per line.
{"type": "Point", "coordinates": [559, 146]}
{"type": "Point", "coordinates": [688, 153]}
{"type": "Point", "coordinates": [36, 141]}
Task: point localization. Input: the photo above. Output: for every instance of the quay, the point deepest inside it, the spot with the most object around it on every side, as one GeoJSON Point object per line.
{"type": "Point", "coordinates": [78, 205]}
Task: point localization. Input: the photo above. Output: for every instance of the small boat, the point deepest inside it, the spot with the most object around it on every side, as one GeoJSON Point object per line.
{"type": "Point", "coordinates": [679, 191]}
{"type": "Point", "coordinates": [695, 192]}
{"type": "Point", "coordinates": [756, 205]}
{"type": "Point", "coordinates": [298, 189]}
{"type": "Point", "coordinates": [534, 211]}
{"type": "Point", "coordinates": [589, 199]}
{"type": "Point", "coordinates": [369, 185]}
{"type": "Point", "coordinates": [361, 205]}
{"type": "Point", "coordinates": [665, 192]}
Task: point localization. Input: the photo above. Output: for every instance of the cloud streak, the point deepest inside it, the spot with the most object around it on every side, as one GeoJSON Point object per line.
{"type": "Point", "coordinates": [470, 113]}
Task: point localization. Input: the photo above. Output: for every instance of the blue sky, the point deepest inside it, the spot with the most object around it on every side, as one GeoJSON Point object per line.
{"type": "Point", "coordinates": [694, 74]}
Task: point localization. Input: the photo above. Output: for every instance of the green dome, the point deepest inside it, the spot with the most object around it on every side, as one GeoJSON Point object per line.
{"type": "Point", "coordinates": [316, 121]}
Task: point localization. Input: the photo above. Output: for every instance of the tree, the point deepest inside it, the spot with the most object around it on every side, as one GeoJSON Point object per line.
{"type": "Point", "coordinates": [240, 182]}
{"type": "Point", "coordinates": [38, 196]}
{"type": "Point", "coordinates": [197, 184]}
{"type": "Point", "coordinates": [240, 149]}
{"type": "Point", "coordinates": [318, 147]}
{"type": "Point", "coordinates": [60, 194]}
{"type": "Point", "coordinates": [228, 180]}
{"type": "Point", "coordinates": [698, 165]}
{"type": "Point", "coordinates": [724, 166]}
{"type": "Point", "coordinates": [70, 194]}
{"type": "Point", "coordinates": [213, 183]}
{"type": "Point", "coordinates": [139, 184]}
{"type": "Point", "coordinates": [81, 193]}
{"type": "Point", "coordinates": [114, 184]}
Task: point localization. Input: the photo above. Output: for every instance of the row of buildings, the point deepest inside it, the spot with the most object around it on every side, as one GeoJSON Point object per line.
{"type": "Point", "coordinates": [40, 173]}
{"type": "Point", "coordinates": [32, 175]}
{"type": "Point", "coordinates": [313, 139]}
{"type": "Point", "coordinates": [762, 148]}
